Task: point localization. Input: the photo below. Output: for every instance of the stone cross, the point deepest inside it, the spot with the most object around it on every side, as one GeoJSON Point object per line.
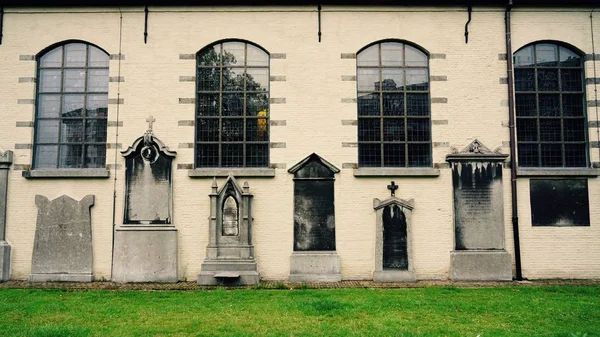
{"type": "Point", "coordinates": [150, 120]}
{"type": "Point", "coordinates": [392, 187]}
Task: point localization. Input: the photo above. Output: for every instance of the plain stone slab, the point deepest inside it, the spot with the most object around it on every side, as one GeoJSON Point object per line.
{"type": "Point", "coordinates": [63, 240]}
{"type": "Point", "coordinates": [315, 267]}
{"type": "Point", "coordinates": [145, 254]}
{"type": "Point", "coordinates": [473, 265]}
{"type": "Point", "coordinates": [394, 276]}
{"type": "Point", "coordinates": [4, 261]}
{"type": "Point", "coordinates": [222, 272]}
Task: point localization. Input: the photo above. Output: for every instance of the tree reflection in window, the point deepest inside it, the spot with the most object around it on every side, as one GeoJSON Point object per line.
{"type": "Point", "coordinates": [550, 106]}
{"type": "Point", "coordinates": [393, 106]}
{"type": "Point", "coordinates": [232, 106]}
{"type": "Point", "coordinates": [71, 107]}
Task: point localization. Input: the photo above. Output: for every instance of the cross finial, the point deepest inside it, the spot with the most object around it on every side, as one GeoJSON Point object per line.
{"type": "Point", "coordinates": [150, 120]}
{"type": "Point", "coordinates": [392, 187]}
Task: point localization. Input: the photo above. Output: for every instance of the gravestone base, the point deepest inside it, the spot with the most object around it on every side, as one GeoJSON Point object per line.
{"type": "Point", "coordinates": [394, 276]}
{"type": "Point", "coordinates": [480, 265]}
{"type": "Point", "coordinates": [228, 272]}
{"type": "Point", "coordinates": [315, 267]}
{"type": "Point", "coordinates": [4, 261]}
{"type": "Point", "coordinates": [145, 254]}
{"type": "Point", "coordinates": [61, 277]}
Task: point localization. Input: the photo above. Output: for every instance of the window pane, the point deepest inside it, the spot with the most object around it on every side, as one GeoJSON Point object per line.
{"type": "Point", "coordinates": [394, 155]}
{"type": "Point", "coordinates": [46, 131]}
{"type": "Point", "coordinates": [549, 105]}
{"type": "Point", "coordinates": [369, 129]}
{"type": "Point", "coordinates": [571, 79]}
{"type": "Point", "coordinates": [368, 57]}
{"type": "Point", "coordinates": [98, 80]}
{"type": "Point", "coordinates": [72, 106]}
{"type": "Point", "coordinates": [419, 155]}
{"type": "Point", "coordinates": [368, 104]}
{"type": "Point", "coordinates": [393, 130]}
{"type": "Point", "coordinates": [257, 105]}
{"type": "Point", "coordinates": [257, 79]}
{"type": "Point", "coordinates": [48, 106]}
{"type": "Point", "coordinates": [207, 155]}
{"type": "Point", "coordinates": [369, 155]}
{"type": "Point", "coordinates": [546, 55]}
{"type": "Point", "coordinates": [574, 130]}
{"type": "Point", "coordinates": [257, 155]}
{"type": "Point", "coordinates": [233, 79]}
{"type": "Point", "coordinates": [75, 55]}
{"type": "Point", "coordinates": [52, 58]}
{"type": "Point", "coordinates": [575, 155]}
{"type": "Point", "coordinates": [257, 57]}
{"type": "Point", "coordinates": [207, 130]}
{"type": "Point", "coordinates": [46, 156]}
{"type": "Point", "coordinates": [393, 104]}
{"type": "Point", "coordinates": [209, 79]}
{"type": "Point", "coordinates": [550, 130]}
{"type": "Point", "coordinates": [527, 130]}
{"type": "Point", "coordinates": [573, 105]}
{"type": "Point", "coordinates": [418, 129]}
{"type": "Point", "coordinates": [367, 79]}
{"type": "Point", "coordinates": [233, 105]}
{"type": "Point", "coordinates": [70, 156]}
{"type": "Point", "coordinates": [208, 105]}
{"type": "Point", "coordinates": [528, 155]}
{"type": "Point", "coordinates": [417, 79]}
{"type": "Point", "coordinates": [74, 80]}
{"type": "Point", "coordinates": [393, 80]}
{"type": "Point", "coordinates": [569, 58]}
{"type": "Point", "coordinates": [551, 155]}
{"type": "Point", "coordinates": [95, 130]}
{"type": "Point", "coordinates": [547, 79]}
{"type": "Point", "coordinates": [417, 104]}
{"type": "Point", "coordinates": [233, 130]}
{"type": "Point", "coordinates": [210, 57]}
{"type": "Point", "coordinates": [257, 129]}
{"type": "Point", "coordinates": [97, 105]}
{"type": "Point", "coordinates": [233, 53]}
{"type": "Point", "coordinates": [391, 54]}
{"type": "Point", "coordinates": [525, 105]}
{"type": "Point", "coordinates": [524, 57]}
{"type": "Point", "coordinates": [71, 131]}
{"type": "Point", "coordinates": [95, 156]}
{"type": "Point", "coordinates": [233, 155]}
{"type": "Point", "coordinates": [415, 57]}
{"type": "Point", "coordinates": [524, 80]}
{"type": "Point", "coordinates": [50, 80]}
{"type": "Point", "coordinates": [97, 58]}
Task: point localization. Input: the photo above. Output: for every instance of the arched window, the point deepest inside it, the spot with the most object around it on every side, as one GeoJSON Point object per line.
{"type": "Point", "coordinates": [232, 106]}
{"type": "Point", "coordinates": [394, 119]}
{"type": "Point", "coordinates": [71, 107]}
{"type": "Point", "coordinates": [550, 106]}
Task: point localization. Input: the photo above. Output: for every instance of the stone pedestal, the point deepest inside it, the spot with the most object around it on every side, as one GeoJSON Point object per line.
{"type": "Point", "coordinates": [483, 265]}
{"type": "Point", "coordinates": [4, 261]}
{"type": "Point", "coordinates": [145, 254]}
{"type": "Point", "coordinates": [229, 272]}
{"type": "Point", "coordinates": [6, 159]}
{"type": "Point", "coordinates": [315, 266]}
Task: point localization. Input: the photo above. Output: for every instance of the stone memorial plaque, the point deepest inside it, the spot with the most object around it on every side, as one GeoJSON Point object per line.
{"type": "Point", "coordinates": [314, 221]}
{"type": "Point", "coordinates": [559, 202]}
{"type": "Point", "coordinates": [395, 254]}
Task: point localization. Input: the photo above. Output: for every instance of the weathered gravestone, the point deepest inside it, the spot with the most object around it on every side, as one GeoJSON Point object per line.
{"type": "Point", "coordinates": [62, 249]}
{"type": "Point", "coordinates": [314, 258]}
{"type": "Point", "coordinates": [479, 251]}
{"type": "Point", "coordinates": [5, 161]}
{"type": "Point", "coordinates": [230, 253]}
{"type": "Point", "coordinates": [146, 244]}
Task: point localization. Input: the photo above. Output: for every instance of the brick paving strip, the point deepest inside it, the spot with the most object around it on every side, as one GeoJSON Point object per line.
{"type": "Point", "coordinates": [105, 285]}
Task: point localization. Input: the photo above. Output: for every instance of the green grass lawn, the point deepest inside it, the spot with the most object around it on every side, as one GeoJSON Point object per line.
{"type": "Point", "coordinates": [432, 311]}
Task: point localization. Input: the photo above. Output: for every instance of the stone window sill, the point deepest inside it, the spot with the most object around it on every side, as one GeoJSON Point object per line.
{"type": "Point", "coordinates": [67, 173]}
{"type": "Point", "coordinates": [558, 172]}
{"type": "Point", "coordinates": [236, 172]}
{"type": "Point", "coordinates": [396, 172]}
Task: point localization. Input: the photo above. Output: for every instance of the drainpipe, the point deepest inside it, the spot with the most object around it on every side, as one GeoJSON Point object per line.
{"type": "Point", "coordinates": [513, 143]}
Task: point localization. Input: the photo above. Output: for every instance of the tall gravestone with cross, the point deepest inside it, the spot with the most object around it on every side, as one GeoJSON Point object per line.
{"type": "Point", "coordinates": [146, 244]}
{"type": "Point", "coordinates": [393, 239]}
{"type": "Point", "coordinates": [6, 159]}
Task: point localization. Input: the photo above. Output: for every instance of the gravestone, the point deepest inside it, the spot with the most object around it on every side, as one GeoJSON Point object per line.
{"type": "Point", "coordinates": [6, 159]}
{"type": "Point", "coordinates": [393, 246]}
{"type": "Point", "coordinates": [62, 249]}
{"type": "Point", "coordinates": [146, 244]}
{"type": "Point", "coordinates": [479, 251]}
{"type": "Point", "coordinates": [230, 253]}
{"type": "Point", "coordinates": [314, 258]}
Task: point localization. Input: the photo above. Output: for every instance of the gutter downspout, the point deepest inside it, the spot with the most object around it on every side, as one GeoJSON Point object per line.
{"type": "Point", "coordinates": [513, 143]}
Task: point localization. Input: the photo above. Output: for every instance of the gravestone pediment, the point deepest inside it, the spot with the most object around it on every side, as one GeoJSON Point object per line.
{"type": "Point", "coordinates": [408, 204]}
{"type": "Point", "coordinates": [314, 166]}
{"type": "Point", "coordinates": [476, 151]}
{"type": "Point", "coordinates": [139, 143]}
{"type": "Point", "coordinates": [230, 183]}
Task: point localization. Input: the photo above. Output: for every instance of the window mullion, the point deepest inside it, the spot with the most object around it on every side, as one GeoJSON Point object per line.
{"type": "Point", "coordinates": [60, 108]}
{"type": "Point", "coordinates": [244, 106]}
{"type": "Point", "coordinates": [220, 146]}
{"type": "Point", "coordinates": [381, 107]}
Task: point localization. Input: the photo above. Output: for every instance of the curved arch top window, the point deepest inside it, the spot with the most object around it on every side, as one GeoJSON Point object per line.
{"type": "Point", "coordinates": [394, 119]}
{"type": "Point", "coordinates": [232, 106]}
{"type": "Point", "coordinates": [71, 107]}
{"type": "Point", "coordinates": [550, 106]}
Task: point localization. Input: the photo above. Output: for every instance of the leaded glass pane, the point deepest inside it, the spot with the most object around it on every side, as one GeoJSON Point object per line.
{"type": "Point", "coordinates": [368, 79]}
{"type": "Point", "coordinates": [210, 57]}
{"type": "Point", "coordinates": [48, 106]}
{"type": "Point", "coordinates": [549, 105]}
{"type": "Point", "coordinates": [417, 79]}
{"type": "Point", "coordinates": [572, 105]}
{"type": "Point", "coordinates": [571, 79]}
{"type": "Point", "coordinates": [73, 106]}
{"type": "Point", "coordinates": [574, 130]}
{"type": "Point", "coordinates": [233, 53]}
{"type": "Point", "coordinates": [257, 79]}
{"type": "Point", "coordinates": [257, 130]}
{"type": "Point", "coordinates": [207, 130]}
{"type": "Point", "coordinates": [394, 155]}
{"type": "Point", "coordinates": [233, 79]}
{"type": "Point", "coordinates": [232, 155]}
{"type": "Point", "coordinates": [547, 79]}
{"type": "Point", "coordinates": [527, 130]}
{"type": "Point", "coordinates": [71, 156]}
{"type": "Point", "coordinates": [525, 105]}
{"type": "Point", "coordinates": [94, 156]}
{"type": "Point", "coordinates": [368, 57]}
{"type": "Point", "coordinates": [232, 130]}
{"type": "Point", "coordinates": [209, 79]}
{"type": "Point", "coordinates": [257, 105]}
{"type": "Point", "coordinates": [47, 131]}
{"type": "Point", "coordinates": [368, 104]}
{"type": "Point", "coordinates": [46, 156]}
{"type": "Point", "coordinates": [417, 104]}
{"type": "Point", "coordinates": [208, 105]}
{"type": "Point", "coordinates": [393, 105]}
{"type": "Point", "coordinates": [393, 130]}
{"type": "Point", "coordinates": [97, 58]}
{"type": "Point", "coordinates": [392, 54]}
{"type": "Point", "coordinates": [369, 155]}
{"type": "Point", "coordinates": [418, 129]}
{"type": "Point", "coordinates": [550, 130]}
{"type": "Point", "coordinates": [52, 59]}
{"type": "Point", "coordinates": [232, 105]}
{"type": "Point", "coordinates": [392, 80]}
{"type": "Point", "coordinates": [71, 131]}
{"type": "Point", "coordinates": [569, 58]}
{"type": "Point", "coordinates": [98, 80]}
{"type": "Point", "coordinates": [419, 155]}
{"type": "Point", "coordinates": [524, 57]}
{"type": "Point", "coordinates": [257, 155]}
{"type": "Point", "coordinates": [75, 55]}
{"type": "Point", "coordinates": [257, 57]}
{"type": "Point", "coordinates": [575, 155]}
{"type": "Point", "coordinates": [415, 57]}
{"type": "Point", "coordinates": [528, 155]}
{"type": "Point", "coordinates": [524, 80]}
{"type": "Point", "coordinates": [97, 106]}
{"type": "Point", "coordinates": [551, 155]}
{"type": "Point", "coordinates": [546, 55]}
{"type": "Point", "coordinates": [369, 129]}
{"type": "Point", "coordinates": [74, 80]}
{"type": "Point", "coordinates": [207, 155]}
{"type": "Point", "coordinates": [95, 130]}
{"type": "Point", "coordinates": [50, 80]}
